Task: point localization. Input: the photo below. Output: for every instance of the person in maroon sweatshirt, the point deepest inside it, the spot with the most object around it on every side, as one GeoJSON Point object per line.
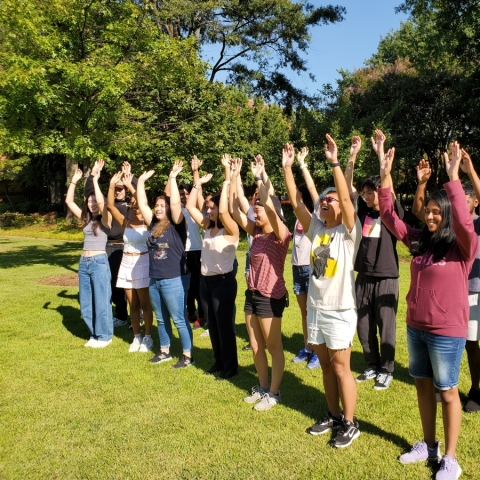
{"type": "Point", "coordinates": [437, 306]}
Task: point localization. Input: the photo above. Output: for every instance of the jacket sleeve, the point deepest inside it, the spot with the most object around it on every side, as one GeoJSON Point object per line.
{"type": "Point", "coordinates": [390, 219]}
{"type": "Point", "coordinates": [462, 221]}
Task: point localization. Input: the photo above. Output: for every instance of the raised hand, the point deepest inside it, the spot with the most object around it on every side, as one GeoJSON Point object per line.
{"type": "Point", "coordinates": [386, 163]}
{"type": "Point", "coordinates": [378, 142]}
{"type": "Point", "coordinates": [115, 179]}
{"type": "Point", "coordinates": [126, 168]}
{"type": "Point", "coordinates": [288, 155]}
{"type": "Point", "coordinates": [176, 169]}
{"type": "Point", "coordinates": [226, 160]}
{"type": "Point", "coordinates": [236, 165]}
{"type": "Point", "coordinates": [356, 145]}
{"type": "Point", "coordinates": [195, 163]}
{"type": "Point", "coordinates": [127, 179]}
{"type": "Point", "coordinates": [331, 150]}
{"type": "Point", "coordinates": [467, 164]}
{"type": "Point", "coordinates": [452, 165]}
{"type": "Point", "coordinates": [206, 178]}
{"type": "Point", "coordinates": [145, 176]}
{"type": "Point", "coordinates": [423, 171]}
{"type": "Point", "coordinates": [256, 168]}
{"type": "Point", "coordinates": [77, 175]}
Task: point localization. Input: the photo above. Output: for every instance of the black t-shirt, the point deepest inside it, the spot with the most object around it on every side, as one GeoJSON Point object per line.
{"type": "Point", "coordinates": [167, 252]}
{"type": "Point", "coordinates": [377, 254]}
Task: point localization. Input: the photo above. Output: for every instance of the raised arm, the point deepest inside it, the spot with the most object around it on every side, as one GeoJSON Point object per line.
{"type": "Point", "coordinates": [467, 167]}
{"type": "Point", "coordinates": [349, 169]}
{"type": "Point", "coordinates": [462, 222]}
{"type": "Point", "coordinates": [70, 199]}
{"type": "Point", "coordinates": [266, 181]}
{"type": "Point", "coordinates": [423, 174]}
{"type": "Point", "coordinates": [301, 212]}
{"type": "Point", "coordinates": [102, 207]}
{"type": "Point", "coordinates": [175, 204]}
{"type": "Point", "coordinates": [192, 202]}
{"type": "Point", "coordinates": [195, 164]}
{"type": "Point", "coordinates": [275, 221]}
{"type": "Point", "coordinates": [301, 155]}
{"type": "Point", "coordinates": [142, 201]}
{"type": "Point", "coordinates": [378, 144]}
{"type": "Point", "coordinates": [242, 199]}
{"type": "Point", "coordinates": [237, 214]}
{"type": "Point", "coordinates": [346, 206]}
{"type": "Point", "coordinates": [116, 214]}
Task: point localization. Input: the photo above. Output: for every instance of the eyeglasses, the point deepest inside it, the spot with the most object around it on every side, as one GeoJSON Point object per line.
{"type": "Point", "coordinates": [328, 199]}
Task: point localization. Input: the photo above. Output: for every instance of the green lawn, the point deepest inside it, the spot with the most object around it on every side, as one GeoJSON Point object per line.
{"type": "Point", "coordinates": [68, 412]}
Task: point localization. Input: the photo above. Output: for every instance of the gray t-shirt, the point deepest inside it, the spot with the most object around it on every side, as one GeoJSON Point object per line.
{"type": "Point", "coordinates": [333, 251]}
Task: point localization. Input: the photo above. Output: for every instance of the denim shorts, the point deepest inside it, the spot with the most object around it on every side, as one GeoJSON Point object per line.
{"type": "Point", "coordinates": [301, 277]}
{"type": "Point", "coordinates": [434, 356]}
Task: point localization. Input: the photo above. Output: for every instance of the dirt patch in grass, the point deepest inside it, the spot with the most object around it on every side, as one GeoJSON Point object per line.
{"type": "Point", "coordinates": [70, 280]}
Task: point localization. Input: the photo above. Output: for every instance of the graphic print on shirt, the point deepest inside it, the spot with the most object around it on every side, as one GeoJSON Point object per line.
{"type": "Point", "coordinates": [323, 264]}
{"type": "Point", "coordinates": [371, 227]}
{"type": "Point", "coordinates": [161, 255]}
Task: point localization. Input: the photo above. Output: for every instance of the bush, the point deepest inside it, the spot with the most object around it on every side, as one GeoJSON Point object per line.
{"type": "Point", "coordinates": [19, 220]}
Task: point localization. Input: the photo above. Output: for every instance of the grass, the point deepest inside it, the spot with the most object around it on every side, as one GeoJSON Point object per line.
{"type": "Point", "coordinates": [74, 413]}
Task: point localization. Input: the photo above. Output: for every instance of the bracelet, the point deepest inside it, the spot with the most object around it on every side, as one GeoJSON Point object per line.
{"type": "Point", "coordinates": [111, 188]}
{"type": "Point", "coordinates": [196, 187]}
{"type": "Point", "coordinates": [173, 176]}
{"type": "Point", "coordinates": [258, 179]}
{"type": "Point", "coordinates": [227, 182]}
{"type": "Point", "coordinates": [336, 164]}
{"type": "Point", "coordinates": [72, 183]}
{"type": "Point", "coordinates": [303, 166]}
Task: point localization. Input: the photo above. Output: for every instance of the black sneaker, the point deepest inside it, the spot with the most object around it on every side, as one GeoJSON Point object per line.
{"type": "Point", "coordinates": [347, 434]}
{"type": "Point", "coordinates": [184, 362]}
{"type": "Point", "coordinates": [473, 401]}
{"type": "Point", "coordinates": [226, 374]}
{"type": "Point", "coordinates": [368, 374]}
{"type": "Point", "coordinates": [327, 423]}
{"type": "Point", "coordinates": [383, 381]}
{"type": "Point", "coordinates": [213, 369]}
{"type": "Point", "coordinates": [161, 357]}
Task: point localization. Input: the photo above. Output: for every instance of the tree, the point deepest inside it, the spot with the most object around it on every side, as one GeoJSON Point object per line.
{"type": "Point", "coordinates": [256, 39]}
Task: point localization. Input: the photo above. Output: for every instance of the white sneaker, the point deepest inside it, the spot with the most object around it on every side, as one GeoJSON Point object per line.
{"type": "Point", "coordinates": [119, 323]}
{"type": "Point", "coordinates": [257, 393]}
{"type": "Point", "coordinates": [135, 345]}
{"type": "Point", "coordinates": [147, 345]}
{"type": "Point", "coordinates": [91, 342]}
{"type": "Point", "coordinates": [206, 333]}
{"type": "Point", "coordinates": [268, 401]}
{"type": "Point", "coordinates": [102, 343]}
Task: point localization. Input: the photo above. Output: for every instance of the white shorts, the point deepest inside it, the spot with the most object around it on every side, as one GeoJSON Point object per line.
{"type": "Point", "coordinates": [473, 333]}
{"type": "Point", "coordinates": [336, 328]}
{"type": "Point", "coordinates": [133, 272]}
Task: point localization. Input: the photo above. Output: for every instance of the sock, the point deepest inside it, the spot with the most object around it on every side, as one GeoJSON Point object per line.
{"type": "Point", "coordinates": [138, 336]}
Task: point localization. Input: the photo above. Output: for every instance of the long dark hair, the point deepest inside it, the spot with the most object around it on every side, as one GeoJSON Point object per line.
{"type": "Point", "coordinates": [440, 241]}
{"type": "Point", "coordinates": [306, 197]}
{"type": "Point", "coordinates": [160, 226]}
{"type": "Point", "coordinates": [216, 200]}
{"type": "Point", "coordinates": [88, 217]}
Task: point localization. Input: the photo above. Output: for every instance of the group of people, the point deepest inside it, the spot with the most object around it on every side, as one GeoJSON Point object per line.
{"type": "Point", "coordinates": [337, 233]}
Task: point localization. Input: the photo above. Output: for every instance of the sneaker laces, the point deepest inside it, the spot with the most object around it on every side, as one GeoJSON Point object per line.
{"type": "Point", "coordinates": [448, 464]}
{"type": "Point", "coordinates": [265, 398]}
{"type": "Point", "coordinates": [381, 377]}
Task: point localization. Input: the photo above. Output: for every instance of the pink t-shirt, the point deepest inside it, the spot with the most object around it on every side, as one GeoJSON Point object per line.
{"type": "Point", "coordinates": [267, 260]}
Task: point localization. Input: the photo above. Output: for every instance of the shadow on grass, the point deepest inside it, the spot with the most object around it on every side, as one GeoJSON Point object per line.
{"type": "Point", "coordinates": [58, 255]}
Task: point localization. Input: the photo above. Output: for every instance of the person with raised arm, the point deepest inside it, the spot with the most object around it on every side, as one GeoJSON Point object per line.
{"type": "Point", "coordinates": [331, 313]}
{"type": "Point", "coordinates": [133, 274]}
{"type": "Point", "coordinates": [437, 306]}
{"type": "Point", "coordinates": [169, 277]}
{"type": "Point", "coordinates": [266, 296]}
{"type": "Point", "coordinates": [93, 270]}
{"type": "Point", "coordinates": [376, 284]}
{"type": "Point", "coordinates": [218, 285]}
{"type": "Point", "coordinates": [301, 261]}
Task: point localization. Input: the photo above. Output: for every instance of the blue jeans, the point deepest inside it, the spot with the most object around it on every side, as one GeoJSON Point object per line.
{"type": "Point", "coordinates": [95, 293]}
{"type": "Point", "coordinates": [169, 298]}
{"type": "Point", "coordinates": [301, 278]}
{"type": "Point", "coordinates": [434, 356]}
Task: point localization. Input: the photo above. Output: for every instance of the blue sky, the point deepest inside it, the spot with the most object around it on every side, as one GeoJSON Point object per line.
{"type": "Point", "coordinates": [345, 45]}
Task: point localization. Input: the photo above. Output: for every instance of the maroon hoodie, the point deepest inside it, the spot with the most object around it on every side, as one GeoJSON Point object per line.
{"type": "Point", "coordinates": [437, 300]}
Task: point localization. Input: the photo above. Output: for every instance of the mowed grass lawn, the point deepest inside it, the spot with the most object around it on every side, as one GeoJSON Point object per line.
{"type": "Point", "coordinates": [68, 412]}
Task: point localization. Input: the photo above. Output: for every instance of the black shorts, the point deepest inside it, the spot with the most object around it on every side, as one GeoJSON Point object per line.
{"type": "Point", "coordinates": [265, 307]}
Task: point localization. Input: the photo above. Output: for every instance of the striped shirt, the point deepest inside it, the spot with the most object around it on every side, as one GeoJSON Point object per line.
{"type": "Point", "coordinates": [267, 260]}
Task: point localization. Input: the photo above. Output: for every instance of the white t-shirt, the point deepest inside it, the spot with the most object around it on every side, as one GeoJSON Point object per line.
{"type": "Point", "coordinates": [194, 240]}
{"type": "Point", "coordinates": [301, 246]}
{"type": "Point", "coordinates": [332, 255]}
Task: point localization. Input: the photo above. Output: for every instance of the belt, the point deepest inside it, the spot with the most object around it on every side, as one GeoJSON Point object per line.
{"type": "Point", "coordinates": [114, 243]}
{"type": "Point", "coordinates": [134, 254]}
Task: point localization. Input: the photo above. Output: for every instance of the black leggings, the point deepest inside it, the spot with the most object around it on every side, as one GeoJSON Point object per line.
{"type": "Point", "coordinates": [218, 293]}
